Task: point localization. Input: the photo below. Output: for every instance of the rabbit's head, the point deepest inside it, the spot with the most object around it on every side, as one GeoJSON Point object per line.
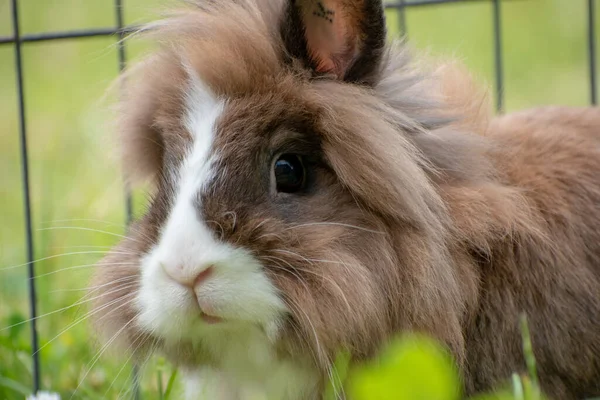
{"type": "Point", "coordinates": [296, 162]}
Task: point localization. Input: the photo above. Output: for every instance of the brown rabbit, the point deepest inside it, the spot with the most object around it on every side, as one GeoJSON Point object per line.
{"type": "Point", "coordinates": [315, 190]}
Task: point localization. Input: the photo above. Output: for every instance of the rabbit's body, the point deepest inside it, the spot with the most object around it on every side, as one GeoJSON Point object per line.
{"type": "Point", "coordinates": [553, 275]}
{"type": "Point", "coordinates": [314, 193]}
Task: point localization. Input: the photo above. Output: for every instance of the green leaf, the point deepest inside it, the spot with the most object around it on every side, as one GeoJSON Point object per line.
{"type": "Point", "coordinates": [15, 321]}
{"type": "Point", "coordinates": [340, 372]}
{"type": "Point", "coordinates": [412, 368]}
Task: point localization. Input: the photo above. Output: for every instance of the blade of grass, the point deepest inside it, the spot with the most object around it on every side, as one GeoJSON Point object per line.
{"type": "Point", "coordinates": [517, 387]}
{"type": "Point", "coordinates": [170, 385]}
{"type": "Point", "coordinates": [160, 385]}
{"type": "Point", "coordinates": [528, 351]}
{"type": "Point", "coordinates": [14, 385]}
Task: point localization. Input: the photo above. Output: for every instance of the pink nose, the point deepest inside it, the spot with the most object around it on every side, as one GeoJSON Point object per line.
{"type": "Point", "coordinates": [184, 278]}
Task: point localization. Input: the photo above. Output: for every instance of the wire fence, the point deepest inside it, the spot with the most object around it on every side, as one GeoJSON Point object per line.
{"type": "Point", "coordinates": [120, 31]}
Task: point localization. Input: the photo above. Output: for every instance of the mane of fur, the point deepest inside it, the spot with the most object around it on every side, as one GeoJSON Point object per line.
{"type": "Point", "coordinates": [480, 225]}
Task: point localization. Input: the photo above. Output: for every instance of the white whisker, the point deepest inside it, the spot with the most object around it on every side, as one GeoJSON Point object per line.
{"type": "Point", "coordinates": [138, 336]}
{"type": "Point", "coordinates": [79, 228]}
{"type": "Point", "coordinates": [320, 349]}
{"type": "Point", "coordinates": [84, 220]}
{"type": "Point", "coordinates": [322, 276]}
{"type": "Point", "coordinates": [89, 314]}
{"type": "Point", "coordinates": [93, 288]}
{"type": "Point", "coordinates": [334, 224]}
{"type": "Point", "coordinates": [294, 305]}
{"type": "Point", "coordinates": [81, 266]}
{"type": "Point", "coordinates": [78, 303]}
{"type": "Point", "coordinates": [82, 247]}
{"type": "Point", "coordinates": [291, 270]}
{"type": "Point", "coordinates": [74, 253]}
{"type": "Point", "coordinates": [100, 352]}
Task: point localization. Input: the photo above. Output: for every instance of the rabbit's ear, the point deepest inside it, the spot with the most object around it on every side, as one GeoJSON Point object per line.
{"type": "Point", "coordinates": [345, 38]}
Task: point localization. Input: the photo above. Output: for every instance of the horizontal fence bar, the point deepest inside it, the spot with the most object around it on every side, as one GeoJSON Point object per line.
{"type": "Point", "coordinates": [76, 34]}
{"type": "Point", "coordinates": [86, 33]}
{"type": "Point", "coordinates": [417, 3]}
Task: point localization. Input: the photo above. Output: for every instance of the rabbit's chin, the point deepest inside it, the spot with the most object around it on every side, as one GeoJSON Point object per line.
{"type": "Point", "coordinates": [239, 361]}
{"type": "Point", "coordinates": [223, 358]}
{"type": "Point", "coordinates": [229, 327]}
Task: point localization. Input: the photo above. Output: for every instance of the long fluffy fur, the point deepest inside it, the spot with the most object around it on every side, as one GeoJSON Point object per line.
{"type": "Point", "coordinates": [466, 220]}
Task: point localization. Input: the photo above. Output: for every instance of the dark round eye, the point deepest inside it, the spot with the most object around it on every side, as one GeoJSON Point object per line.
{"type": "Point", "coordinates": [289, 173]}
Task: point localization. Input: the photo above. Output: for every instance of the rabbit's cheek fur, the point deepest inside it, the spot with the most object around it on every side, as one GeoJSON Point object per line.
{"type": "Point", "coordinates": [236, 287]}
{"type": "Point", "coordinates": [233, 315]}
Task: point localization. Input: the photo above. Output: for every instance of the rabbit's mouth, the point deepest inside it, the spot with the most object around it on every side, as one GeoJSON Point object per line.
{"type": "Point", "coordinates": [232, 293]}
{"type": "Point", "coordinates": [221, 328]}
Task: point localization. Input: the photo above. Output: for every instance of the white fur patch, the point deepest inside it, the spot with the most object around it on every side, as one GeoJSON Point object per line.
{"type": "Point", "coordinates": [237, 290]}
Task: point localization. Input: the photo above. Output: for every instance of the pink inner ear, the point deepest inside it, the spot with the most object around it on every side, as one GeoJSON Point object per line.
{"type": "Point", "coordinates": [331, 36]}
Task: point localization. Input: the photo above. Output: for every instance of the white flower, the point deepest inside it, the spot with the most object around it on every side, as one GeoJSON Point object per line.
{"type": "Point", "coordinates": [44, 396]}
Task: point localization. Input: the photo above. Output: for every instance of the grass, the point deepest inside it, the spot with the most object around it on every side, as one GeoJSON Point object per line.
{"type": "Point", "coordinates": [75, 182]}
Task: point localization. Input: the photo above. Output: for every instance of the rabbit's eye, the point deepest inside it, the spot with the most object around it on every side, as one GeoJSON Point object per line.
{"type": "Point", "coordinates": [289, 173]}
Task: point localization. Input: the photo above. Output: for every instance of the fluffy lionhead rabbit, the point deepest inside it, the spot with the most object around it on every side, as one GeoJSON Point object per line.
{"type": "Point", "coordinates": [315, 190]}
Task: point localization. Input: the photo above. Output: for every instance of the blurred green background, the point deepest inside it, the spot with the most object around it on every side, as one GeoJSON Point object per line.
{"type": "Point", "coordinates": [75, 181]}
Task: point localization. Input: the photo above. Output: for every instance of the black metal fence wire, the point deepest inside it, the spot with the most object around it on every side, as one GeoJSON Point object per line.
{"type": "Point", "coordinates": [120, 31]}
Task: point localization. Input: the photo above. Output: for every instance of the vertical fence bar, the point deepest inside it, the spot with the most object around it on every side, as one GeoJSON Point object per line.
{"type": "Point", "coordinates": [122, 61]}
{"type": "Point", "coordinates": [26, 197]}
{"type": "Point", "coordinates": [128, 197]}
{"type": "Point", "coordinates": [498, 57]}
{"type": "Point", "coordinates": [592, 51]}
{"type": "Point", "coordinates": [402, 18]}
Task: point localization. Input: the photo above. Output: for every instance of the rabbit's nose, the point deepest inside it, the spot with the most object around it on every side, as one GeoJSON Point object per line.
{"type": "Point", "coordinates": [184, 277]}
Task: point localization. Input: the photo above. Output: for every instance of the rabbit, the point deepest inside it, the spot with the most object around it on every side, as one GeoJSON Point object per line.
{"type": "Point", "coordinates": [316, 187]}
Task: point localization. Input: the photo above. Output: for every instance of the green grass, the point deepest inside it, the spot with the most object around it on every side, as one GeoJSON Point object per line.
{"type": "Point", "coordinates": [74, 175]}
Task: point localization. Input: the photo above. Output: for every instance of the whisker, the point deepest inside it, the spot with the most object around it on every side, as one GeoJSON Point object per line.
{"type": "Point", "coordinates": [89, 314]}
{"type": "Point", "coordinates": [61, 255]}
{"type": "Point", "coordinates": [93, 288]}
{"type": "Point", "coordinates": [294, 305]}
{"type": "Point", "coordinates": [84, 220]}
{"type": "Point", "coordinates": [313, 260]}
{"type": "Point", "coordinates": [318, 343]}
{"type": "Point", "coordinates": [291, 270]}
{"type": "Point", "coordinates": [128, 384]}
{"type": "Point", "coordinates": [131, 227]}
{"type": "Point", "coordinates": [265, 235]}
{"type": "Point", "coordinates": [78, 303]}
{"type": "Point", "coordinates": [320, 352]}
{"type": "Point", "coordinates": [259, 225]}
{"type": "Point", "coordinates": [79, 267]}
{"type": "Point", "coordinates": [322, 276]}
{"type": "Point", "coordinates": [100, 352]}
{"type": "Point", "coordinates": [309, 260]}
{"type": "Point", "coordinates": [130, 387]}
{"type": "Point", "coordinates": [82, 247]}
{"type": "Point", "coordinates": [334, 224]}
{"type": "Point", "coordinates": [138, 336]}
{"type": "Point", "coordinates": [85, 229]}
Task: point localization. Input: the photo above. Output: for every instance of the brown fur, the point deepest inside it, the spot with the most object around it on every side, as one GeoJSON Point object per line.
{"type": "Point", "coordinates": [439, 218]}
